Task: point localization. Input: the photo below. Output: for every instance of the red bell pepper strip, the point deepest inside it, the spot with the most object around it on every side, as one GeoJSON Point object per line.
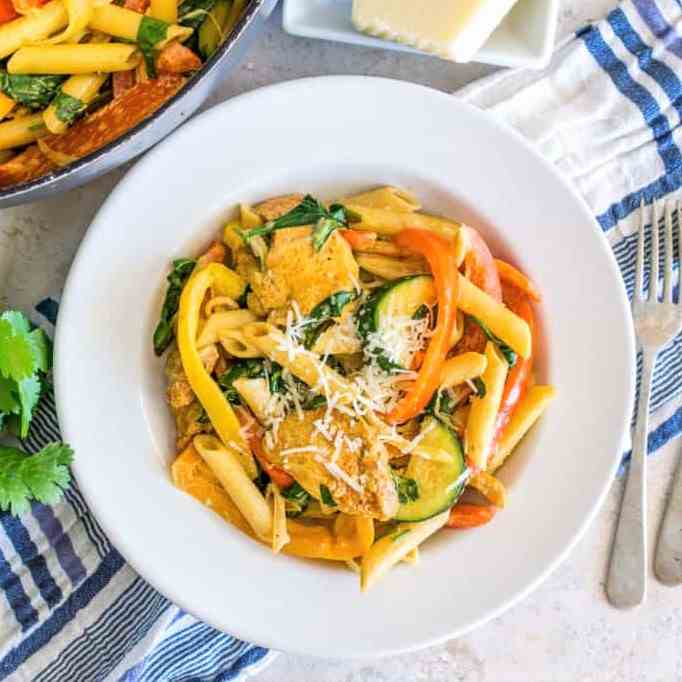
{"type": "Point", "coordinates": [439, 253]}
{"type": "Point", "coordinates": [510, 275]}
{"type": "Point", "coordinates": [359, 239]}
{"type": "Point", "coordinates": [518, 379]}
{"type": "Point", "coordinates": [470, 515]}
{"type": "Point", "coordinates": [278, 476]}
{"type": "Point", "coordinates": [7, 11]}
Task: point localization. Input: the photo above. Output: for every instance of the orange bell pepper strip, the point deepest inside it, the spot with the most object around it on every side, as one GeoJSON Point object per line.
{"type": "Point", "coordinates": [7, 11]}
{"type": "Point", "coordinates": [26, 6]}
{"type": "Point", "coordinates": [470, 515]}
{"type": "Point", "coordinates": [439, 253]}
{"type": "Point", "coordinates": [347, 538]}
{"type": "Point", "coordinates": [510, 275]}
{"type": "Point", "coordinates": [358, 239]}
{"type": "Point", "coordinates": [518, 379]}
{"type": "Point", "coordinates": [276, 474]}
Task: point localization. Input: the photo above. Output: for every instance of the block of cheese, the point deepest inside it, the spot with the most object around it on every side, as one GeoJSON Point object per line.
{"type": "Point", "coordinates": [453, 29]}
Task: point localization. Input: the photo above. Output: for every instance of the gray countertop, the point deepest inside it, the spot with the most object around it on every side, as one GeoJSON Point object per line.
{"type": "Point", "coordinates": [565, 631]}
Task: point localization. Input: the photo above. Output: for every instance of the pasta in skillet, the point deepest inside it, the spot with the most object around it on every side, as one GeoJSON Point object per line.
{"type": "Point", "coordinates": [346, 378]}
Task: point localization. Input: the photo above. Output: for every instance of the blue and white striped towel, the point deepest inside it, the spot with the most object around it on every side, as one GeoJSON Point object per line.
{"type": "Point", "coordinates": [74, 611]}
{"type": "Point", "coordinates": [607, 111]}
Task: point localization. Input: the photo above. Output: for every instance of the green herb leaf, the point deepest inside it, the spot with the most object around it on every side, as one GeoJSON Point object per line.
{"type": "Point", "coordinates": [297, 499]}
{"type": "Point", "coordinates": [150, 33]}
{"type": "Point", "coordinates": [42, 350]}
{"type": "Point", "coordinates": [250, 369]}
{"type": "Point", "coordinates": [68, 108]}
{"type": "Point", "coordinates": [163, 334]}
{"type": "Point", "coordinates": [9, 402]}
{"type": "Point", "coordinates": [480, 387]}
{"type": "Point", "coordinates": [29, 394]}
{"type": "Point", "coordinates": [193, 13]}
{"type": "Point", "coordinates": [42, 476]}
{"type": "Point", "coordinates": [309, 212]}
{"type": "Point", "coordinates": [407, 488]}
{"type": "Point", "coordinates": [509, 355]}
{"type": "Point", "coordinates": [17, 353]}
{"type": "Point", "coordinates": [34, 92]}
{"type": "Point", "coordinates": [321, 315]}
{"type": "Point", "coordinates": [313, 402]}
{"type": "Point", "coordinates": [326, 496]}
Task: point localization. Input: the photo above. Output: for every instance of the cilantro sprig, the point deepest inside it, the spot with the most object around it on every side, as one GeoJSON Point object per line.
{"type": "Point", "coordinates": [309, 212]}
{"type": "Point", "coordinates": [25, 360]}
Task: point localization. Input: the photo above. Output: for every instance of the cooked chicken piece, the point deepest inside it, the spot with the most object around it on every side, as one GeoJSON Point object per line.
{"type": "Point", "coordinates": [188, 412]}
{"type": "Point", "coordinates": [271, 209]}
{"type": "Point", "coordinates": [373, 492]}
{"type": "Point", "coordinates": [295, 271]}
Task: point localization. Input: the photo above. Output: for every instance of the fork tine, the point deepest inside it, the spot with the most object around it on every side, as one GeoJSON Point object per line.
{"type": "Point", "coordinates": [669, 246]}
{"type": "Point", "coordinates": [653, 265]}
{"type": "Point", "coordinates": [639, 267]}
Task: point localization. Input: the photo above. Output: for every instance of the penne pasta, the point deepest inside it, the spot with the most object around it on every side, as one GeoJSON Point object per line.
{"type": "Point", "coordinates": [457, 330]}
{"type": "Point", "coordinates": [388, 222]}
{"type": "Point", "coordinates": [280, 533]}
{"type": "Point", "coordinates": [385, 198]}
{"type": "Point", "coordinates": [6, 105]}
{"type": "Point", "coordinates": [166, 10]}
{"type": "Point", "coordinates": [236, 344]}
{"type": "Point", "coordinates": [17, 132]}
{"type": "Point", "coordinates": [527, 412]}
{"type": "Point", "coordinates": [507, 326]}
{"type": "Point", "coordinates": [508, 273]}
{"type": "Point", "coordinates": [32, 28]}
{"type": "Point", "coordinates": [220, 302]}
{"type": "Point", "coordinates": [300, 362]}
{"type": "Point", "coordinates": [256, 394]}
{"type": "Point", "coordinates": [480, 428]}
{"type": "Point", "coordinates": [461, 368]}
{"type": "Point", "coordinates": [74, 59]}
{"type": "Point", "coordinates": [229, 471]}
{"type": "Point", "coordinates": [391, 268]}
{"type": "Point", "coordinates": [79, 13]}
{"type": "Point", "coordinates": [490, 487]}
{"type": "Point", "coordinates": [220, 322]}
{"type": "Point", "coordinates": [129, 25]}
{"type": "Point", "coordinates": [76, 93]}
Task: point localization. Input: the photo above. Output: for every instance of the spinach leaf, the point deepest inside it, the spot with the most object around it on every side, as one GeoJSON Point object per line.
{"type": "Point", "coordinates": [68, 108]}
{"type": "Point", "coordinates": [509, 354]}
{"type": "Point", "coordinates": [313, 401]}
{"type": "Point", "coordinates": [407, 488]}
{"type": "Point", "coordinates": [241, 301]}
{"type": "Point", "coordinates": [326, 496]}
{"type": "Point", "coordinates": [321, 315]}
{"type": "Point", "coordinates": [297, 499]}
{"type": "Point", "coordinates": [34, 92]}
{"type": "Point", "coordinates": [248, 369]}
{"type": "Point", "coordinates": [421, 312]}
{"type": "Point", "coordinates": [150, 33]}
{"type": "Point", "coordinates": [480, 387]}
{"type": "Point", "coordinates": [440, 403]}
{"type": "Point", "coordinates": [309, 212]}
{"type": "Point", "coordinates": [163, 334]}
{"type": "Point", "coordinates": [192, 13]}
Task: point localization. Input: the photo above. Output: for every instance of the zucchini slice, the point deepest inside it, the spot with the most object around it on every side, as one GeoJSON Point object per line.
{"type": "Point", "coordinates": [439, 483]}
{"type": "Point", "coordinates": [211, 30]}
{"type": "Point", "coordinates": [386, 310]}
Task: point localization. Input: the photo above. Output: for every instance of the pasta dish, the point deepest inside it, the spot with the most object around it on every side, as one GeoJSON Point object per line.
{"type": "Point", "coordinates": [346, 378]}
{"type": "Point", "coordinates": [77, 74]}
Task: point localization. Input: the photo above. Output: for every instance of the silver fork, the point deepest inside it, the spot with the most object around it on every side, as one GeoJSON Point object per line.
{"type": "Point", "coordinates": [656, 324]}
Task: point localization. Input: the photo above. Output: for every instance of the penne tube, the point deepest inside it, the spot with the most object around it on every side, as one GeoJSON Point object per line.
{"type": "Point", "coordinates": [220, 302]}
{"type": "Point", "coordinates": [392, 548]}
{"type": "Point", "coordinates": [300, 362]}
{"type": "Point", "coordinates": [391, 268]}
{"type": "Point", "coordinates": [32, 28]}
{"type": "Point", "coordinates": [237, 345]}
{"type": "Point", "coordinates": [280, 533]}
{"type": "Point", "coordinates": [6, 105]}
{"type": "Point", "coordinates": [457, 330]}
{"type": "Point", "coordinates": [20, 131]}
{"type": "Point", "coordinates": [256, 394]}
{"type": "Point", "coordinates": [218, 323]}
{"type": "Point", "coordinates": [385, 198]}
{"type": "Point", "coordinates": [508, 273]}
{"type": "Point", "coordinates": [501, 321]}
{"type": "Point", "coordinates": [85, 58]}
{"type": "Point", "coordinates": [480, 428]}
{"type": "Point", "coordinates": [228, 470]}
{"type": "Point", "coordinates": [166, 10]}
{"type": "Point", "coordinates": [461, 248]}
{"type": "Point", "coordinates": [490, 487]}
{"type": "Point", "coordinates": [527, 412]}
{"type": "Point", "coordinates": [72, 100]}
{"type": "Point", "coordinates": [391, 222]}
{"type": "Point", "coordinates": [461, 368]}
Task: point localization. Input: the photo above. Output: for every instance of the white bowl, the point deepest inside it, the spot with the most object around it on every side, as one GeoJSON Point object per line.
{"type": "Point", "coordinates": [304, 136]}
{"type": "Point", "coordinates": [524, 39]}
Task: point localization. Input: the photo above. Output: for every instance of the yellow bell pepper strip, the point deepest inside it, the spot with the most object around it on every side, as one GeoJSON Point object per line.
{"type": "Point", "coordinates": [349, 537]}
{"type": "Point", "coordinates": [440, 255]}
{"type": "Point", "coordinates": [223, 282]}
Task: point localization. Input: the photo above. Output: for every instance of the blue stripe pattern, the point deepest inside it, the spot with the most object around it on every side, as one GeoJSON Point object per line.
{"type": "Point", "coordinates": [658, 25]}
{"type": "Point", "coordinates": [16, 596]}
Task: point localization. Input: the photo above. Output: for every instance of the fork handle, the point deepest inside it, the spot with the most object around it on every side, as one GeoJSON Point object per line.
{"type": "Point", "coordinates": [626, 582]}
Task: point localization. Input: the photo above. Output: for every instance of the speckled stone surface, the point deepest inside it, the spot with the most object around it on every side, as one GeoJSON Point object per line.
{"type": "Point", "coordinates": [565, 631]}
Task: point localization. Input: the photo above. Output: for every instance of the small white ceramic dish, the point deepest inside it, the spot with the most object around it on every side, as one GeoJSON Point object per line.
{"type": "Point", "coordinates": [524, 39]}
{"type": "Point", "coordinates": [310, 135]}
